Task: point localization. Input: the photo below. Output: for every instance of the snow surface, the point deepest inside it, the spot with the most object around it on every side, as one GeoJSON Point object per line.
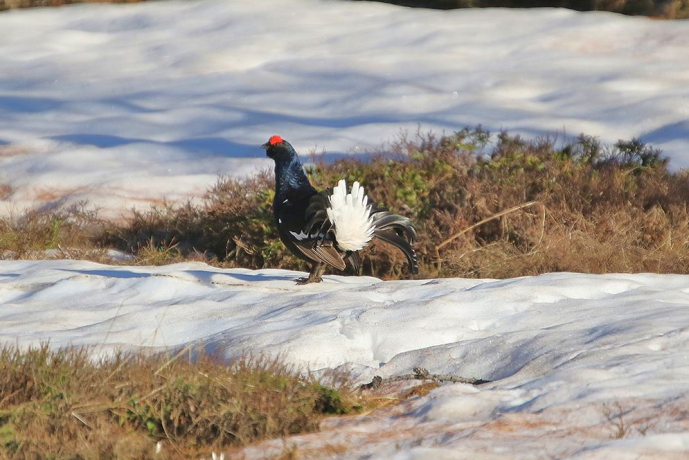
{"type": "Point", "coordinates": [560, 349]}
{"type": "Point", "coordinates": [127, 105]}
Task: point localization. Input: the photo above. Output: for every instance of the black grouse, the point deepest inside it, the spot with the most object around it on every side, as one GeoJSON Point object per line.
{"type": "Point", "coordinates": [330, 227]}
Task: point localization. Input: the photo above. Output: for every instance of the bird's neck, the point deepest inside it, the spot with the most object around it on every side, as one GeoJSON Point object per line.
{"type": "Point", "coordinates": [289, 178]}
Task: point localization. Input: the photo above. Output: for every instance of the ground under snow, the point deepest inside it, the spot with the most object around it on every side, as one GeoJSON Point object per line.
{"type": "Point", "coordinates": [559, 348]}
{"type": "Point", "coordinates": [126, 105]}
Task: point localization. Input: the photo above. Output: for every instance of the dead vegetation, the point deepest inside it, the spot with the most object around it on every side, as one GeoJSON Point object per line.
{"type": "Point", "coordinates": [668, 9]}
{"type": "Point", "coordinates": [506, 209]}
{"type": "Point", "coordinates": [62, 404]}
{"type": "Point", "coordinates": [619, 420]}
{"type": "Point", "coordinates": [63, 233]}
{"type": "Point", "coordinates": [665, 9]}
{"type": "Point", "coordinates": [485, 206]}
{"type": "Point", "coordinates": [11, 4]}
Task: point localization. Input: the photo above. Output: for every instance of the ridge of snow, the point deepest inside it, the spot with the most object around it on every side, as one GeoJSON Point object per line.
{"type": "Point", "coordinates": [128, 105]}
{"type": "Point", "coordinates": [558, 348]}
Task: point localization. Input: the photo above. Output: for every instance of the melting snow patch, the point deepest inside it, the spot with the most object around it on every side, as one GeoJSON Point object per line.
{"type": "Point", "coordinates": [554, 366]}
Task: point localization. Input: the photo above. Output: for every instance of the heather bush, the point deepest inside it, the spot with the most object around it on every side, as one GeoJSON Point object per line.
{"type": "Point", "coordinates": [582, 206]}
{"type": "Point", "coordinates": [485, 206]}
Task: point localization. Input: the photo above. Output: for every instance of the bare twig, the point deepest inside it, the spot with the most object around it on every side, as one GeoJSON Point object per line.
{"type": "Point", "coordinates": [421, 374]}
{"type": "Point", "coordinates": [173, 359]}
{"type": "Point", "coordinates": [616, 418]}
{"type": "Point", "coordinates": [487, 219]}
{"type": "Point", "coordinates": [78, 417]}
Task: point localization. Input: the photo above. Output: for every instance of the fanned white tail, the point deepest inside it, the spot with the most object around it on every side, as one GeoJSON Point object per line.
{"type": "Point", "coordinates": [350, 214]}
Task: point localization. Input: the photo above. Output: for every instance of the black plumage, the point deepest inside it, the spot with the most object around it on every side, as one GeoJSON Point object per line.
{"type": "Point", "coordinates": [307, 225]}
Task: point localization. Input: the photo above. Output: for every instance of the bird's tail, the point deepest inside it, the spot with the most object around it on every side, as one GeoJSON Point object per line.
{"type": "Point", "coordinates": [350, 215]}
{"type": "Point", "coordinates": [399, 232]}
{"type": "Point", "coordinates": [354, 222]}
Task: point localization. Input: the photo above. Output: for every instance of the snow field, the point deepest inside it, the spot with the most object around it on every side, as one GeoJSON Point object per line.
{"type": "Point", "coordinates": [560, 349]}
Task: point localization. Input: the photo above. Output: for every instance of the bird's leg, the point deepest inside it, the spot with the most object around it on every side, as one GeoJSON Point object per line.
{"type": "Point", "coordinates": [317, 270]}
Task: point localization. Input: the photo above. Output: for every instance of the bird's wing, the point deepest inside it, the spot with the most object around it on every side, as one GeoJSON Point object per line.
{"type": "Point", "coordinates": [321, 251]}
{"type": "Point", "coordinates": [317, 215]}
{"type": "Point", "coordinates": [311, 232]}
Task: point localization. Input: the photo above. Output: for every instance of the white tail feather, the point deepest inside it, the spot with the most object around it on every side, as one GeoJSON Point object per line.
{"type": "Point", "coordinates": [350, 216]}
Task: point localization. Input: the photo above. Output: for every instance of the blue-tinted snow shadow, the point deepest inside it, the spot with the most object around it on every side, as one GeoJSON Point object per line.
{"type": "Point", "coordinates": [667, 133]}
{"type": "Point", "coordinates": [214, 146]}
{"type": "Point", "coordinates": [207, 276]}
{"type": "Point", "coordinates": [202, 276]}
{"type": "Point", "coordinates": [26, 104]}
{"type": "Point", "coordinates": [123, 274]}
{"type": "Point", "coordinates": [218, 117]}
{"type": "Point", "coordinates": [674, 132]}
{"type": "Point", "coordinates": [221, 115]}
{"type": "Point", "coordinates": [207, 145]}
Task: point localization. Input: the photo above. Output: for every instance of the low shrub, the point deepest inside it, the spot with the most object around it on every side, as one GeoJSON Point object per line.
{"type": "Point", "coordinates": [64, 404]}
{"type": "Point", "coordinates": [670, 9]}
{"type": "Point", "coordinates": [485, 205]}
{"type": "Point", "coordinates": [590, 208]}
{"type": "Point", "coordinates": [52, 233]}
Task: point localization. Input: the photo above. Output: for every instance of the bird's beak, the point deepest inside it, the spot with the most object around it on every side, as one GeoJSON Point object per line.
{"type": "Point", "coordinates": [265, 146]}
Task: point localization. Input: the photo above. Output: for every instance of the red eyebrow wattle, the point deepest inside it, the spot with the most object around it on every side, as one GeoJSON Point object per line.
{"type": "Point", "coordinates": [274, 140]}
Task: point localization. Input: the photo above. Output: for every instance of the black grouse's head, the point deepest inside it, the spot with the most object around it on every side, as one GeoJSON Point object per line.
{"type": "Point", "coordinates": [279, 150]}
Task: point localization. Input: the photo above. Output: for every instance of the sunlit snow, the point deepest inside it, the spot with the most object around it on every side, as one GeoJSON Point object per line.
{"type": "Point", "coordinates": [560, 349]}
{"type": "Point", "coordinates": [128, 105]}
{"type": "Point", "coordinates": [125, 105]}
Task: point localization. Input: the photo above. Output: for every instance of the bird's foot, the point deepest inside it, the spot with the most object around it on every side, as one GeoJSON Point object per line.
{"type": "Point", "coordinates": [314, 275]}
{"type": "Point", "coordinates": [309, 280]}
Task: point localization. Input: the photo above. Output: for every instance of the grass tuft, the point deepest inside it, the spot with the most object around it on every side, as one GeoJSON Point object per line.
{"type": "Point", "coordinates": [63, 233]}
{"type": "Point", "coordinates": [63, 404]}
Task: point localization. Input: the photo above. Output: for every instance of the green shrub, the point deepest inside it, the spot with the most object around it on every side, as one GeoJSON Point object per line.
{"type": "Point", "coordinates": [561, 206]}
{"type": "Point", "coordinates": [593, 202]}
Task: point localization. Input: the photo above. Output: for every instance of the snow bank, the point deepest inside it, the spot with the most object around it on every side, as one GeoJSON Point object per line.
{"type": "Point", "coordinates": [127, 105]}
{"type": "Point", "coordinates": [560, 349]}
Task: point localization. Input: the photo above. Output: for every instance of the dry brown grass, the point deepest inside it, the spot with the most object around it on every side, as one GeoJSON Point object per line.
{"type": "Point", "coordinates": [234, 227]}
{"type": "Point", "coordinates": [495, 209]}
{"type": "Point", "coordinates": [661, 9]}
{"type": "Point", "coordinates": [62, 404]}
{"type": "Point", "coordinates": [597, 209]}
{"type": "Point", "coordinates": [65, 233]}
{"type": "Point", "coordinates": [10, 4]}
{"type": "Point", "coordinates": [516, 208]}
{"type": "Point", "coordinates": [667, 9]}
